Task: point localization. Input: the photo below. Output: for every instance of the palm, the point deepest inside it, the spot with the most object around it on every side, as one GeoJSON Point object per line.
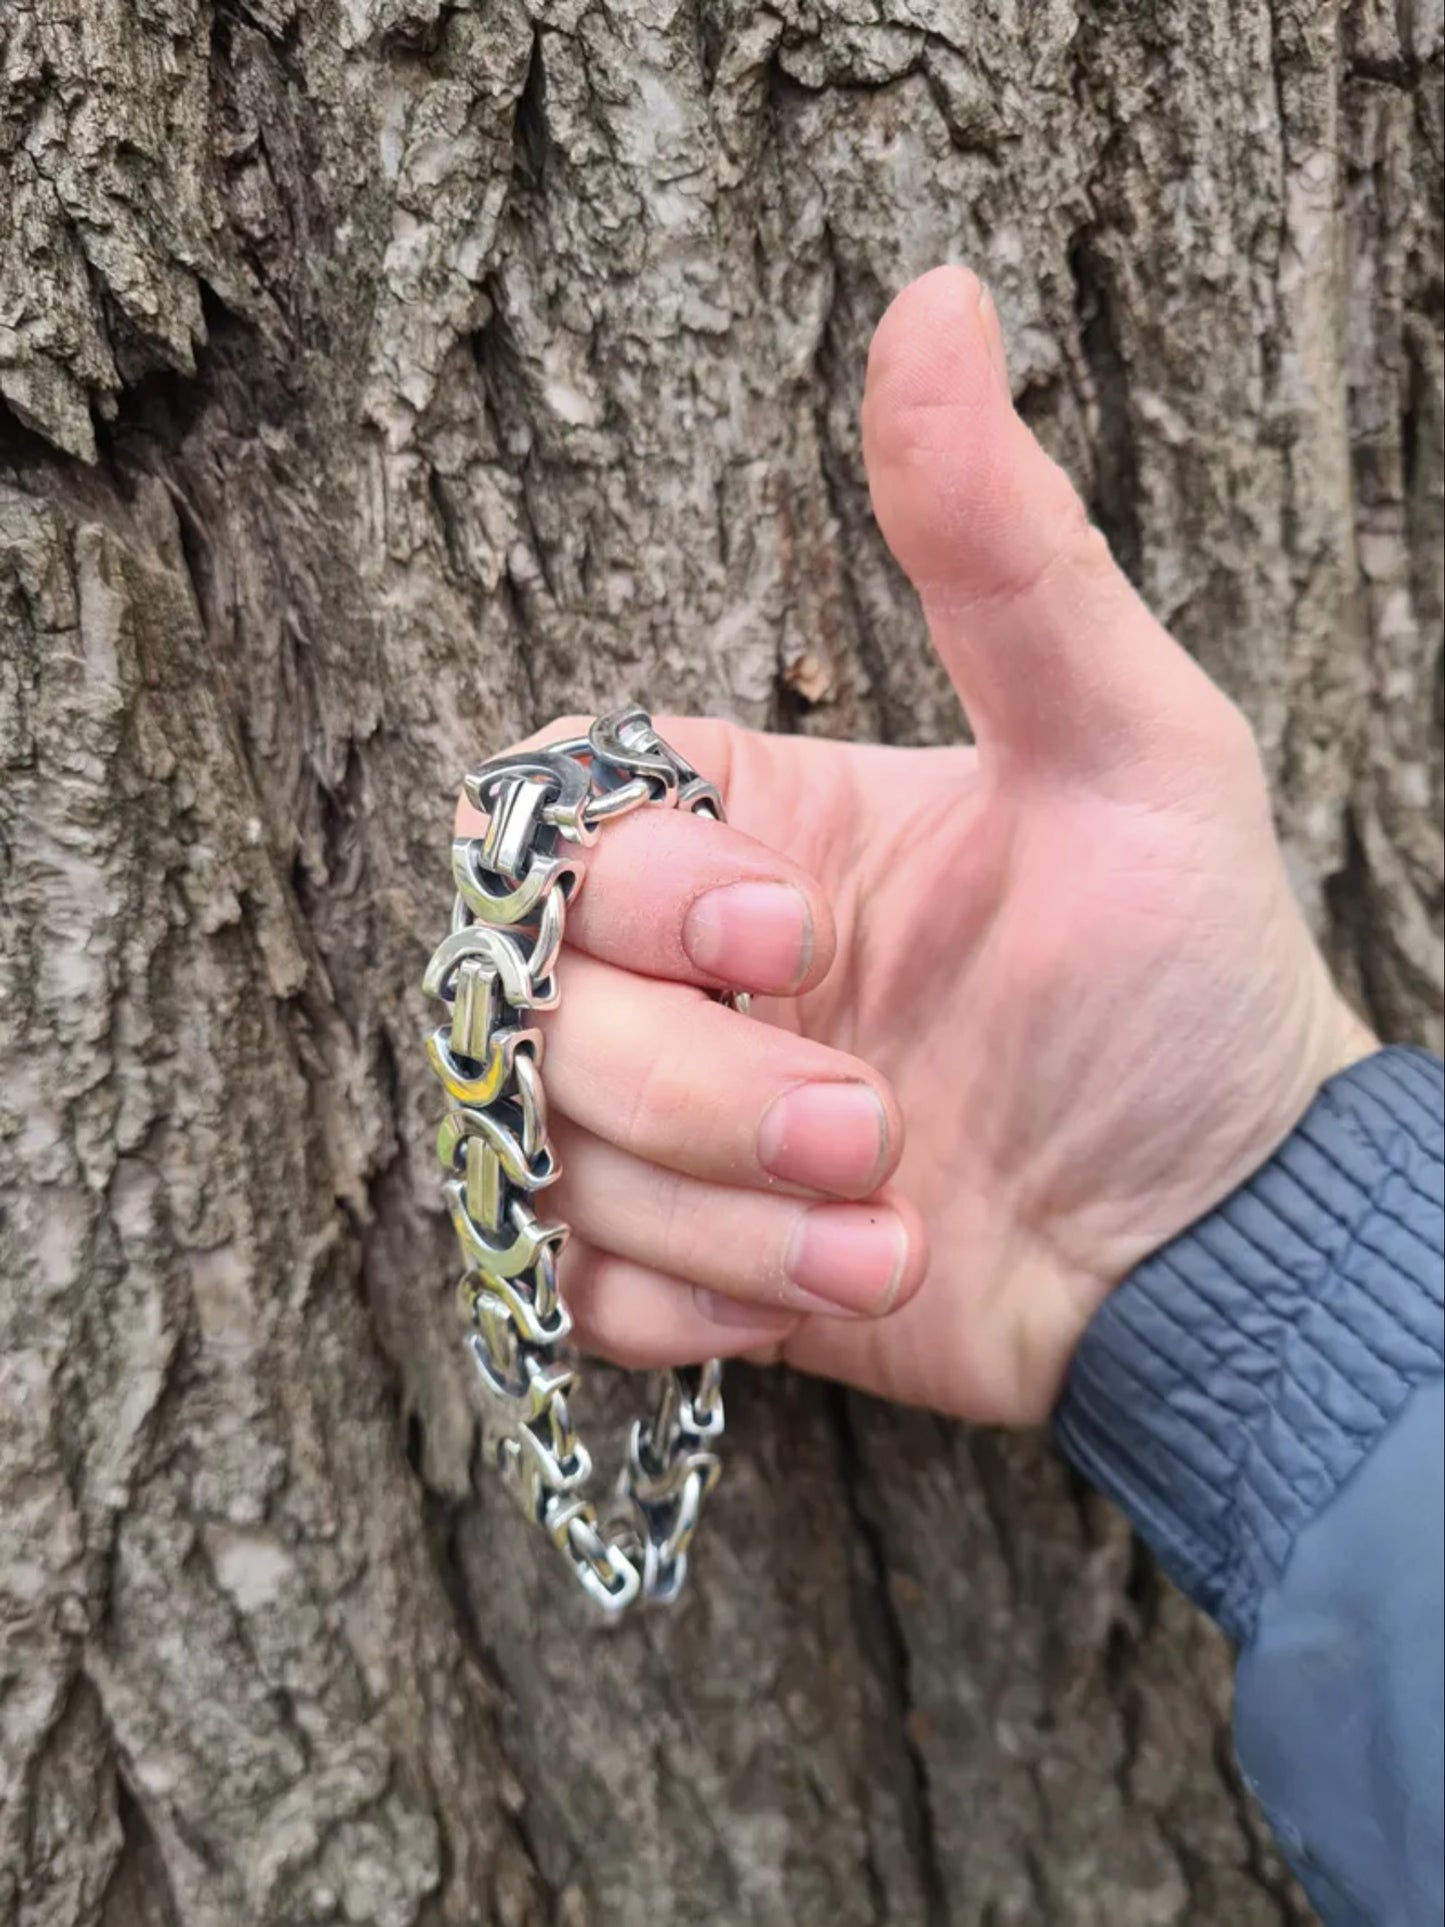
{"type": "Point", "coordinates": [1053, 982]}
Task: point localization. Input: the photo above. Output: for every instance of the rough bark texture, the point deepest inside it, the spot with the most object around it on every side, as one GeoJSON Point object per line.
{"type": "Point", "coordinates": [383, 377]}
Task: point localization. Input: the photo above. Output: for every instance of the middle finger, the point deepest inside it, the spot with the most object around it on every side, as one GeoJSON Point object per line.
{"type": "Point", "coordinates": [679, 1080]}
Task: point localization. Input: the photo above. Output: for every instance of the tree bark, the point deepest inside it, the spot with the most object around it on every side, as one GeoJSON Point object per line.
{"type": "Point", "coordinates": [383, 378]}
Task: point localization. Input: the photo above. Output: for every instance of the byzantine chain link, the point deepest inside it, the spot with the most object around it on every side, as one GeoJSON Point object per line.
{"type": "Point", "coordinates": [496, 965]}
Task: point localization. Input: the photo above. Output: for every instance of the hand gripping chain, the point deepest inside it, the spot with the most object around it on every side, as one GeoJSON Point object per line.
{"type": "Point", "coordinates": [497, 964]}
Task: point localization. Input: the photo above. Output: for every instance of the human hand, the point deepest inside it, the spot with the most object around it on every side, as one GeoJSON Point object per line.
{"type": "Point", "coordinates": [1028, 1010]}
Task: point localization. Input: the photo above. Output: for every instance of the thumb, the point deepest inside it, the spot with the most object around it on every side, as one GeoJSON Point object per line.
{"type": "Point", "coordinates": [1054, 656]}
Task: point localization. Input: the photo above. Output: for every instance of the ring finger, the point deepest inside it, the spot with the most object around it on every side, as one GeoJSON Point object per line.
{"type": "Point", "coordinates": [786, 1253]}
{"type": "Point", "coordinates": [642, 1319]}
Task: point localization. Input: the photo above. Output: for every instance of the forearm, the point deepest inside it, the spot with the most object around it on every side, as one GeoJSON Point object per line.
{"type": "Point", "coordinates": [1263, 1397]}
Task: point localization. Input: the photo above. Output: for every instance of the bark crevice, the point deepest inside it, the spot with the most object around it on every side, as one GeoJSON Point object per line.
{"type": "Point", "coordinates": [885, 1636]}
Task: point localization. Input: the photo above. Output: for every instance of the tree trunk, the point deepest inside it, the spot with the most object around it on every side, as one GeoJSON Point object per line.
{"type": "Point", "coordinates": [382, 379]}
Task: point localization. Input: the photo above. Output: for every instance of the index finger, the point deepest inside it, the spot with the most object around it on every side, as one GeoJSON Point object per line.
{"type": "Point", "coordinates": [680, 896]}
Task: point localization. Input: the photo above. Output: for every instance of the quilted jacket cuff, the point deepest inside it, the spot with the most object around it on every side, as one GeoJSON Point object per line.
{"type": "Point", "coordinates": [1228, 1388]}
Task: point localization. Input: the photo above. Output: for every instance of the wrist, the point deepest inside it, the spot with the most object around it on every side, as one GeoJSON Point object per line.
{"type": "Point", "coordinates": [1241, 1116]}
{"type": "Point", "coordinates": [1259, 1092]}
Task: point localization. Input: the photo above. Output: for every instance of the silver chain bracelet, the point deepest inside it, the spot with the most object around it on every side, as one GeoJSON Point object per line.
{"type": "Point", "coordinates": [498, 963]}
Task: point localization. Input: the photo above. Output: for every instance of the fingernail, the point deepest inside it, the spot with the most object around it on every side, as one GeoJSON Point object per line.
{"type": "Point", "coordinates": [993, 339]}
{"type": "Point", "coordinates": [829, 1137]}
{"type": "Point", "coordinates": [741, 1314]}
{"type": "Point", "coordinates": [756, 935]}
{"type": "Point", "coordinates": [849, 1255]}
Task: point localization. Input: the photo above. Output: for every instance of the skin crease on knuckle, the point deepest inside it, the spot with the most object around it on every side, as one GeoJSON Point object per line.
{"type": "Point", "coordinates": [660, 1103]}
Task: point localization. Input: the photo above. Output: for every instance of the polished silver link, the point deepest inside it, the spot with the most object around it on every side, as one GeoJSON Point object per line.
{"type": "Point", "coordinates": [670, 1530]}
{"type": "Point", "coordinates": [631, 796]}
{"type": "Point", "coordinates": [474, 1008]}
{"type": "Point", "coordinates": [497, 963]}
{"type": "Point", "coordinates": [701, 1412]}
{"type": "Point", "coordinates": [533, 1099]}
{"type": "Point", "coordinates": [512, 825]}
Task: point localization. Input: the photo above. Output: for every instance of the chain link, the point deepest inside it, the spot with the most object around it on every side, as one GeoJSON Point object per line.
{"type": "Point", "coordinates": [497, 964]}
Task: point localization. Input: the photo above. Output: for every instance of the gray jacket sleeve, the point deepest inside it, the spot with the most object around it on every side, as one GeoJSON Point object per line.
{"type": "Point", "coordinates": [1264, 1399]}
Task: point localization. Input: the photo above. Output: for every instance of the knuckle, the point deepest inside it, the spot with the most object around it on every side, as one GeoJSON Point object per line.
{"type": "Point", "coordinates": [979, 521]}
{"type": "Point", "coordinates": [1222, 741]}
{"type": "Point", "coordinates": [605, 1324]}
{"type": "Point", "coordinates": [1234, 736]}
{"type": "Point", "coordinates": [1065, 539]}
{"type": "Point", "coordinates": [656, 1110]}
{"type": "Point", "coordinates": [674, 1216]}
